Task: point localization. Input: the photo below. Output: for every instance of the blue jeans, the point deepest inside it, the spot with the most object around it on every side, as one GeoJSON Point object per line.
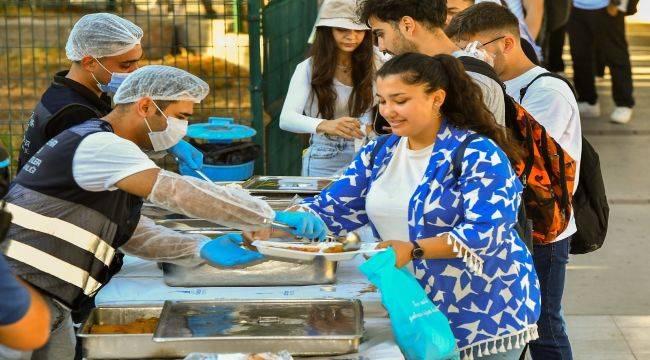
{"type": "Point", "coordinates": [550, 263]}
{"type": "Point", "coordinates": [327, 156]}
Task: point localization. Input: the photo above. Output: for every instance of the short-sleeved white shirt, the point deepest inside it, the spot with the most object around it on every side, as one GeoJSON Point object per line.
{"type": "Point", "coordinates": [102, 159]}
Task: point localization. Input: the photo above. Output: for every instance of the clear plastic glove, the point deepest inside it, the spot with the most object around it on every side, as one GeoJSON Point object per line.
{"type": "Point", "coordinates": [226, 251]}
{"type": "Point", "coordinates": [226, 205]}
{"type": "Point", "coordinates": [472, 49]}
{"type": "Point", "coordinates": [188, 154]}
{"type": "Point", "coordinates": [155, 242]}
{"type": "Point", "coordinates": [306, 225]}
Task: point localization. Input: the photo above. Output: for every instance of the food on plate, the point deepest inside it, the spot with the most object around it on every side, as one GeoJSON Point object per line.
{"type": "Point", "coordinates": [139, 326]}
{"type": "Point", "coordinates": [311, 249]}
{"type": "Point", "coordinates": [338, 248]}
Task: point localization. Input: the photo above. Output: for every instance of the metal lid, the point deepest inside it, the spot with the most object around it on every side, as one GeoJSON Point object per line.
{"type": "Point", "coordinates": [267, 319]}
{"type": "Point", "coordinates": [220, 129]}
{"type": "Point", "coordinates": [287, 184]}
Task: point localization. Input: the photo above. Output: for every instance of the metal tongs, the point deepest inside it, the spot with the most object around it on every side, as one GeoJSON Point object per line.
{"type": "Point", "coordinates": [351, 241]}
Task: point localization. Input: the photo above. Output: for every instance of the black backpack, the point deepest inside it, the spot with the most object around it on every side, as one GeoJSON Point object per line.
{"type": "Point", "coordinates": [590, 206]}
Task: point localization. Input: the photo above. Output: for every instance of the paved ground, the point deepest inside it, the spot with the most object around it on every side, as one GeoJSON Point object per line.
{"type": "Point", "coordinates": [607, 297]}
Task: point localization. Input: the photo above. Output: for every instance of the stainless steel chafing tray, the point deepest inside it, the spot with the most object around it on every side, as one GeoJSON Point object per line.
{"type": "Point", "coordinates": [302, 327]}
{"type": "Point", "coordinates": [267, 273]}
{"type": "Point", "coordinates": [287, 184]}
{"type": "Point", "coordinates": [122, 346]}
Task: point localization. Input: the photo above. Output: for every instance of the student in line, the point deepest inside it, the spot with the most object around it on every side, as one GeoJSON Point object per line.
{"type": "Point", "coordinates": [418, 26]}
{"type": "Point", "coordinates": [528, 12]}
{"type": "Point", "coordinates": [551, 102]}
{"type": "Point", "coordinates": [601, 23]}
{"type": "Point", "coordinates": [331, 93]}
{"type": "Point", "coordinates": [457, 227]}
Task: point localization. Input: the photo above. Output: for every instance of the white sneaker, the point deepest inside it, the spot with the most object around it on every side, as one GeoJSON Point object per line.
{"type": "Point", "coordinates": [587, 110]}
{"type": "Point", "coordinates": [621, 115]}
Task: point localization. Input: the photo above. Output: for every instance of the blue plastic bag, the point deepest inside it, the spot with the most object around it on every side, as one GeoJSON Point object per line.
{"type": "Point", "coordinates": [421, 330]}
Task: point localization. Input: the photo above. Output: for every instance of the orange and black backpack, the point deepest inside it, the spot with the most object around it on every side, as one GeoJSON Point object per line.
{"type": "Point", "coordinates": [547, 172]}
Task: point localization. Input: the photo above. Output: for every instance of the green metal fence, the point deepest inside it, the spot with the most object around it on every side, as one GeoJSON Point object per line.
{"type": "Point", "coordinates": [217, 40]}
{"type": "Point", "coordinates": [287, 25]}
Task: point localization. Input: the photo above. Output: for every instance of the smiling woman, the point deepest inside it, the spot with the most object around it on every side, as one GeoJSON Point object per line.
{"type": "Point", "coordinates": [449, 222]}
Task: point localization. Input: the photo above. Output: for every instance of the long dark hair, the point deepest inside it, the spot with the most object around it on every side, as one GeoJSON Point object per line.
{"type": "Point", "coordinates": [463, 107]}
{"type": "Point", "coordinates": [323, 54]}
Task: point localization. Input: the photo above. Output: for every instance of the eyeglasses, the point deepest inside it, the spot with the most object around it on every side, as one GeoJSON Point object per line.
{"type": "Point", "coordinates": [493, 40]}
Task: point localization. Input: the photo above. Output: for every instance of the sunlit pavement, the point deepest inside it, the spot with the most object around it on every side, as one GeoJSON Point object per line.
{"type": "Point", "coordinates": [607, 296]}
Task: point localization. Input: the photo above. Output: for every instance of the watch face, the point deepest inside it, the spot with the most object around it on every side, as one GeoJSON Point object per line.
{"type": "Point", "coordinates": [418, 253]}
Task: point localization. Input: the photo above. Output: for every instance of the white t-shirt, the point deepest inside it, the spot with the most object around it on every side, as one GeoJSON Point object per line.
{"type": "Point", "coordinates": [300, 110]}
{"type": "Point", "coordinates": [551, 102]}
{"type": "Point", "coordinates": [388, 200]}
{"type": "Point", "coordinates": [103, 159]}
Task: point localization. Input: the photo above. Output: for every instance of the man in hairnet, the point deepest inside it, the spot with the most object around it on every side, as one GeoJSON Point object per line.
{"type": "Point", "coordinates": [78, 200]}
{"type": "Point", "coordinates": [104, 48]}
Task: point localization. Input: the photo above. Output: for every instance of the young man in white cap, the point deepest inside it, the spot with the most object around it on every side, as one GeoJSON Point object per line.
{"type": "Point", "coordinates": [104, 48]}
{"type": "Point", "coordinates": [78, 200]}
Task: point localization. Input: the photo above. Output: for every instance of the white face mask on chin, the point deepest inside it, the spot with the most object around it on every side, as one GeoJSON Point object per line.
{"type": "Point", "coordinates": [175, 131]}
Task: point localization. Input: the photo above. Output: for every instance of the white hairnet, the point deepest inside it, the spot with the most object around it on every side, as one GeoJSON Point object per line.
{"type": "Point", "coordinates": [160, 82]}
{"type": "Point", "coordinates": [101, 35]}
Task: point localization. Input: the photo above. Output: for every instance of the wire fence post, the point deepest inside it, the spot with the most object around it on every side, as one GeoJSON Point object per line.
{"type": "Point", "coordinates": [255, 71]}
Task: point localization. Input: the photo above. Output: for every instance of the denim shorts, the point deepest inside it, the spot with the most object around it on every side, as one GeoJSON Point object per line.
{"type": "Point", "coordinates": [327, 155]}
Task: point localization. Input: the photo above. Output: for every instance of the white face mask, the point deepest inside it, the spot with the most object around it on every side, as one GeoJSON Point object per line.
{"type": "Point", "coordinates": [175, 131]}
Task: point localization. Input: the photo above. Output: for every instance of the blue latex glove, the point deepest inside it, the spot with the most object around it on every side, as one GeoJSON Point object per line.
{"type": "Point", "coordinates": [306, 224]}
{"type": "Point", "coordinates": [188, 154]}
{"type": "Point", "coordinates": [226, 251]}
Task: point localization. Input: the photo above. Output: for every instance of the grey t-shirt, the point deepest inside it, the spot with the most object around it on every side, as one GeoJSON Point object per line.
{"type": "Point", "coordinates": [492, 96]}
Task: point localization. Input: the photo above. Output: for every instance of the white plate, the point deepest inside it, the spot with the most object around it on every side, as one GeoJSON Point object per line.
{"type": "Point", "coordinates": [282, 250]}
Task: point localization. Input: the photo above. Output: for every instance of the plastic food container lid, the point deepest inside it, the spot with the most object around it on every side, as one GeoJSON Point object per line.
{"type": "Point", "coordinates": [220, 129]}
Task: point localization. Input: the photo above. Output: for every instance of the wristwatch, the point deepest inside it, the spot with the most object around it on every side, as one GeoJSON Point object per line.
{"type": "Point", "coordinates": [417, 252]}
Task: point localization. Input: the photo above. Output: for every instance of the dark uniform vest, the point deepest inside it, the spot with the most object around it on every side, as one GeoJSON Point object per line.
{"type": "Point", "coordinates": [63, 238]}
{"type": "Point", "coordinates": [62, 94]}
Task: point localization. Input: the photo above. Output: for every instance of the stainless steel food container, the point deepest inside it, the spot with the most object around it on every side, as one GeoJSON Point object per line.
{"type": "Point", "coordinates": [122, 346]}
{"type": "Point", "coordinates": [267, 273]}
{"type": "Point", "coordinates": [290, 185]}
{"type": "Point", "coordinates": [301, 327]}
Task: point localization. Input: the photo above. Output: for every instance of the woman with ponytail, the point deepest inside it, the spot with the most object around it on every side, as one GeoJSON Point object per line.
{"type": "Point", "coordinates": [456, 225]}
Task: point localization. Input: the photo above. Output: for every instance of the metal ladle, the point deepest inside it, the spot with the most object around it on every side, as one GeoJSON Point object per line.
{"type": "Point", "coordinates": [352, 242]}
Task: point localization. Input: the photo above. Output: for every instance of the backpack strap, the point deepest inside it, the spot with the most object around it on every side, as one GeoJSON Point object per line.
{"type": "Point", "coordinates": [523, 90]}
{"type": "Point", "coordinates": [381, 141]}
{"type": "Point", "coordinates": [457, 160]}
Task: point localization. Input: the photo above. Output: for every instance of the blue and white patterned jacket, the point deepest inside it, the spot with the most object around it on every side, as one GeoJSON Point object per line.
{"type": "Point", "coordinates": [490, 292]}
